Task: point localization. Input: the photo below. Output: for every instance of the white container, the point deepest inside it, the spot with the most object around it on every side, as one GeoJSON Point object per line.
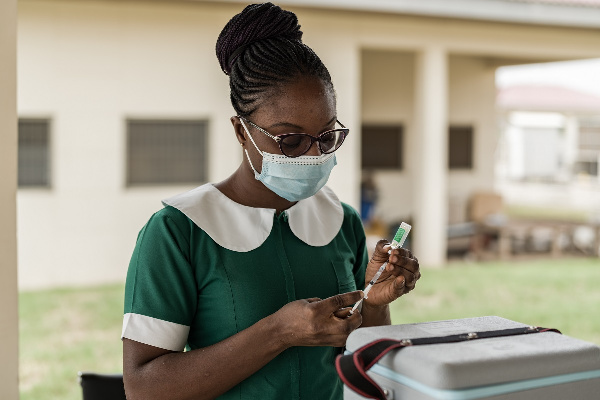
{"type": "Point", "coordinates": [543, 365]}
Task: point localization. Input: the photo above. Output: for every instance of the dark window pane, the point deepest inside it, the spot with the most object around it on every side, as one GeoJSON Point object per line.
{"type": "Point", "coordinates": [382, 146]}
{"type": "Point", "coordinates": [34, 155]}
{"type": "Point", "coordinates": [587, 168]}
{"type": "Point", "coordinates": [460, 147]}
{"type": "Point", "coordinates": [166, 152]}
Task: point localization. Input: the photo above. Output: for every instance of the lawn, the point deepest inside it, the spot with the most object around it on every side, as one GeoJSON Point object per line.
{"type": "Point", "coordinates": [562, 294]}
{"type": "Point", "coordinates": [65, 331]}
{"type": "Point", "coordinates": [68, 330]}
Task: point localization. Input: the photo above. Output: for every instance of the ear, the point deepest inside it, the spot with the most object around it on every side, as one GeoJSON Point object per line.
{"type": "Point", "coordinates": [240, 132]}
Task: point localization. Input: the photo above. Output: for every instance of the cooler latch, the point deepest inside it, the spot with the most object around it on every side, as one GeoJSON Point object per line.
{"type": "Point", "coordinates": [389, 393]}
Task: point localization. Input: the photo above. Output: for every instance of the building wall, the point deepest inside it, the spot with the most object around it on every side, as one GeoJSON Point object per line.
{"type": "Point", "coordinates": [387, 98]}
{"type": "Point", "coordinates": [388, 90]}
{"type": "Point", "coordinates": [471, 102]}
{"type": "Point", "coordinates": [90, 65]}
{"type": "Point", "coordinates": [535, 141]}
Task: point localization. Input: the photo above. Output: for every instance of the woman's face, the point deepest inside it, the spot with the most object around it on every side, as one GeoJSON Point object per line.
{"type": "Point", "coordinates": [305, 105]}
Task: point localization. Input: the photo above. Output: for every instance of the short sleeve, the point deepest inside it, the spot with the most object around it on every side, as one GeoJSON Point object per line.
{"type": "Point", "coordinates": [160, 290]}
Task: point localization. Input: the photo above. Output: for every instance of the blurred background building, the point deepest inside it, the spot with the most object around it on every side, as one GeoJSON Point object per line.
{"type": "Point", "coordinates": [550, 136]}
{"type": "Point", "coordinates": [123, 103]}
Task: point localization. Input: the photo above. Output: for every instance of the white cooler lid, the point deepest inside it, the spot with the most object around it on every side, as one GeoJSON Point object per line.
{"type": "Point", "coordinates": [481, 361]}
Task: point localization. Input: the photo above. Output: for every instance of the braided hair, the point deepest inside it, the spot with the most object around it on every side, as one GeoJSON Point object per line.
{"type": "Point", "coordinates": [261, 49]}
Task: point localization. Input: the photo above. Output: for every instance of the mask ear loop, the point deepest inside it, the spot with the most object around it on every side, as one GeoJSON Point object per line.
{"type": "Point", "coordinates": [246, 150]}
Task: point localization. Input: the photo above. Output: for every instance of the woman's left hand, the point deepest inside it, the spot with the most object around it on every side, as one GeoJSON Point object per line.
{"type": "Point", "coordinates": [399, 277]}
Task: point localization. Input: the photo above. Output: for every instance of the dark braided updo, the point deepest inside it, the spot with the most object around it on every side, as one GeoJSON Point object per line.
{"type": "Point", "coordinates": [260, 49]}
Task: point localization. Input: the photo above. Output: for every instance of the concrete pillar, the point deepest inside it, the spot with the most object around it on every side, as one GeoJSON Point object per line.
{"type": "Point", "coordinates": [430, 168]}
{"type": "Point", "coordinates": [9, 333]}
{"type": "Point", "coordinates": [344, 68]}
{"type": "Point", "coordinates": [571, 147]}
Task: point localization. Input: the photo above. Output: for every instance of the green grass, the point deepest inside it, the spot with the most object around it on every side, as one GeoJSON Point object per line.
{"type": "Point", "coordinates": [562, 294]}
{"type": "Point", "coordinates": [546, 213]}
{"type": "Point", "coordinates": [69, 330]}
{"type": "Point", "coordinates": [65, 331]}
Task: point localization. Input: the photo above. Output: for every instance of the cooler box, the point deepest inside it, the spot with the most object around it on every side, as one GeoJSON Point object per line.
{"type": "Point", "coordinates": [545, 365]}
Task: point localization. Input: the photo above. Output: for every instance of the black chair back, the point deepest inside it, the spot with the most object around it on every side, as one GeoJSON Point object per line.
{"type": "Point", "coordinates": [102, 386]}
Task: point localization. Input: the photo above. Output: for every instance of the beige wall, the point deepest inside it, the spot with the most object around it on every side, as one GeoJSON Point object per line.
{"type": "Point", "coordinates": [388, 91]}
{"type": "Point", "coordinates": [9, 349]}
{"type": "Point", "coordinates": [472, 95]}
{"type": "Point", "coordinates": [90, 65]}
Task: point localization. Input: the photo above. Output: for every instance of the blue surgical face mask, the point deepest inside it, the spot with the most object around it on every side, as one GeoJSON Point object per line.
{"type": "Point", "coordinates": [295, 178]}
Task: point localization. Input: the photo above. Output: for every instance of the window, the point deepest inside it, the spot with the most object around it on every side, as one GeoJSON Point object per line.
{"type": "Point", "coordinates": [166, 152]}
{"type": "Point", "coordinates": [589, 138]}
{"type": "Point", "coordinates": [586, 168]}
{"type": "Point", "coordinates": [460, 147]}
{"type": "Point", "coordinates": [382, 146]}
{"type": "Point", "coordinates": [34, 153]}
{"type": "Point", "coordinates": [589, 147]}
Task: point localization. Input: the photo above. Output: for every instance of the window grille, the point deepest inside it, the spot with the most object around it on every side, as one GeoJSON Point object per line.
{"type": "Point", "coordinates": [166, 152]}
{"type": "Point", "coordinates": [34, 153]}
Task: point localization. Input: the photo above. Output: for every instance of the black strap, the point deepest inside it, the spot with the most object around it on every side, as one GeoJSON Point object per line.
{"type": "Point", "coordinates": [352, 368]}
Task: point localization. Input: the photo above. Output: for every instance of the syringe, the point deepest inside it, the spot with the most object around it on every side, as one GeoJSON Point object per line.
{"type": "Point", "coordinates": [398, 241]}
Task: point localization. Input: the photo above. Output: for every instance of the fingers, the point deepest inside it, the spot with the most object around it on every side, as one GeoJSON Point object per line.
{"type": "Point", "coordinates": [402, 263]}
{"type": "Point", "coordinates": [381, 251]}
{"type": "Point", "coordinates": [400, 286]}
{"type": "Point", "coordinates": [313, 322]}
{"type": "Point", "coordinates": [406, 281]}
{"type": "Point", "coordinates": [399, 257]}
{"type": "Point", "coordinates": [347, 322]}
{"type": "Point", "coordinates": [404, 258]}
{"type": "Point", "coordinates": [343, 313]}
{"type": "Point", "coordinates": [334, 303]}
{"type": "Point", "coordinates": [340, 322]}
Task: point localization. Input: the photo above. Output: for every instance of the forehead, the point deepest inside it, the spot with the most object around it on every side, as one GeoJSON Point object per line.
{"type": "Point", "coordinates": [305, 101]}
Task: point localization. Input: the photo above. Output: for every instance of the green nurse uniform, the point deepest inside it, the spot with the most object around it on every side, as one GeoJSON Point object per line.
{"type": "Point", "coordinates": [205, 268]}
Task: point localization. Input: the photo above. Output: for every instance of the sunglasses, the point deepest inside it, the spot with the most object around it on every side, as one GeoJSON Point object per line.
{"type": "Point", "coordinates": [296, 144]}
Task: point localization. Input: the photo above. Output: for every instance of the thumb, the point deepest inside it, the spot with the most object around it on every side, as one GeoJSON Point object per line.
{"type": "Point", "coordinates": [334, 303]}
{"type": "Point", "coordinates": [380, 254]}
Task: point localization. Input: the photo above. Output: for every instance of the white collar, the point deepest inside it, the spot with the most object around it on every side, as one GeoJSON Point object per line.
{"type": "Point", "coordinates": [315, 221]}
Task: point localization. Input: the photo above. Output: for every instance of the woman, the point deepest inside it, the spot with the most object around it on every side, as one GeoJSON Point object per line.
{"type": "Point", "coordinates": [235, 271]}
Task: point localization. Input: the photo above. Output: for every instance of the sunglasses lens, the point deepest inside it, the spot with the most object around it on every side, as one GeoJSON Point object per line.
{"type": "Point", "coordinates": [331, 141]}
{"type": "Point", "coordinates": [295, 145]}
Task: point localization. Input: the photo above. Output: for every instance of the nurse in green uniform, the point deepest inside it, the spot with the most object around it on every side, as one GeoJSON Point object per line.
{"type": "Point", "coordinates": [254, 276]}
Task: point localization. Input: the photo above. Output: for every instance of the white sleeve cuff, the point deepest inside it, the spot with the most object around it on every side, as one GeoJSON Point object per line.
{"type": "Point", "coordinates": [155, 332]}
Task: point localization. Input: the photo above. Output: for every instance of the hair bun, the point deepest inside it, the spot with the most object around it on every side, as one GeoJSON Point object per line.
{"type": "Point", "coordinates": [256, 22]}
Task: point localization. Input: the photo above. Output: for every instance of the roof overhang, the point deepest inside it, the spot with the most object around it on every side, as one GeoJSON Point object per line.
{"type": "Point", "coordinates": [507, 11]}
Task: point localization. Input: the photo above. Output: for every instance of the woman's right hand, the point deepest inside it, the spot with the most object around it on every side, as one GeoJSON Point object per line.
{"type": "Point", "coordinates": [316, 322]}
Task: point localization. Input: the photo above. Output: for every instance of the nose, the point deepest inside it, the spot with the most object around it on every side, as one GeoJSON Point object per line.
{"type": "Point", "coordinates": [314, 149]}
